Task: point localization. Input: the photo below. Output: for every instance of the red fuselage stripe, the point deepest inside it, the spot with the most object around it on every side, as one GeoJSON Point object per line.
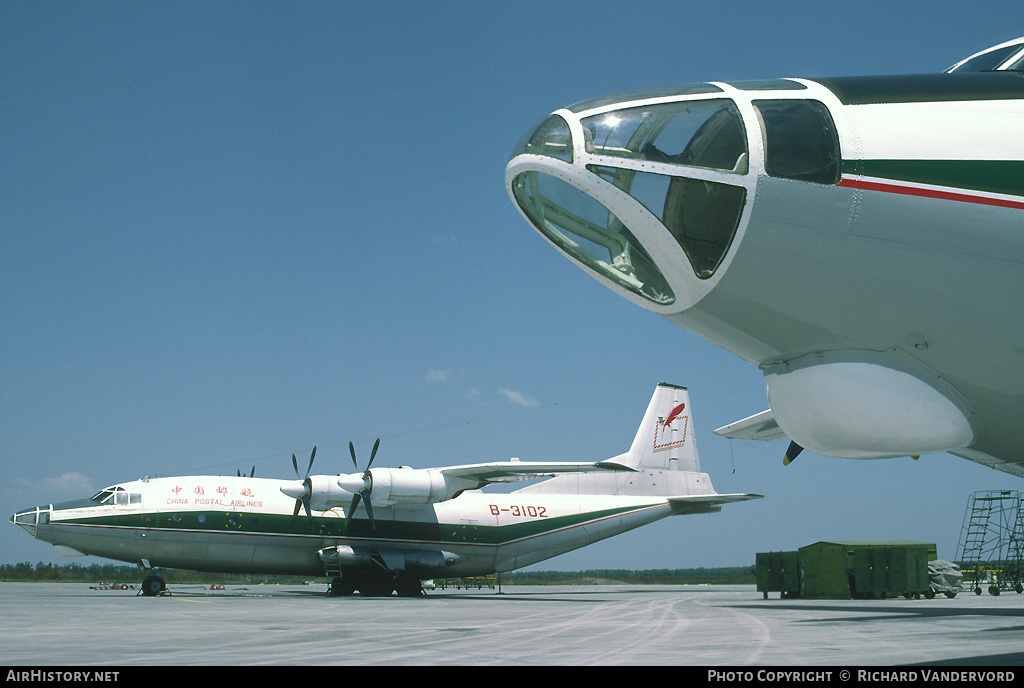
{"type": "Point", "coordinates": [930, 193]}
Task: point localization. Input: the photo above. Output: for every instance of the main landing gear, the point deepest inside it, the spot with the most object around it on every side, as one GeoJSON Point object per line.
{"type": "Point", "coordinates": [375, 584]}
{"type": "Point", "coordinates": [152, 584]}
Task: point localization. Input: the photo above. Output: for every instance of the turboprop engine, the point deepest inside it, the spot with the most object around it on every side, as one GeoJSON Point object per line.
{"type": "Point", "coordinates": [383, 486]}
{"type": "Point", "coordinates": [373, 486]}
{"type": "Point", "coordinates": [388, 486]}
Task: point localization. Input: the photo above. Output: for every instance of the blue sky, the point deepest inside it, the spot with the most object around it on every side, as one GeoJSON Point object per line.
{"type": "Point", "coordinates": [230, 231]}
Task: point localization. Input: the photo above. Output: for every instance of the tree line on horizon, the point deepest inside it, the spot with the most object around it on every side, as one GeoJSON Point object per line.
{"type": "Point", "coordinates": [48, 572]}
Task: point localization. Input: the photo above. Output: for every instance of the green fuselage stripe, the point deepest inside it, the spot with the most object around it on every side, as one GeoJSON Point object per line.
{"type": "Point", "coordinates": [980, 176]}
{"type": "Point", "coordinates": [253, 523]}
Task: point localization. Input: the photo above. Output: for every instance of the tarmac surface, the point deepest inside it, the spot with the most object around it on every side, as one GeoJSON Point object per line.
{"type": "Point", "coordinates": [77, 624]}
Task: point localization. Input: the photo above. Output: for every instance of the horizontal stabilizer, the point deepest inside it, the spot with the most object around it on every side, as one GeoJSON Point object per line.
{"type": "Point", "coordinates": [700, 504]}
{"type": "Point", "coordinates": [761, 426]}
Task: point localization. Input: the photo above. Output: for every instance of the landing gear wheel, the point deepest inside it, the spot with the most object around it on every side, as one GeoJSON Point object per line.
{"type": "Point", "coordinates": [993, 590]}
{"type": "Point", "coordinates": [409, 587]}
{"type": "Point", "coordinates": [340, 587]}
{"type": "Point", "coordinates": [153, 586]}
{"type": "Point", "coordinates": [377, 586]}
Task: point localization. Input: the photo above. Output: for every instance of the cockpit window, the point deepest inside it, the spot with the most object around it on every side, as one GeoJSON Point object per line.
{"type": "Point", "coordinates": [769, 85]}
{"type": "Point", "coordinates": [105, 496]}
{"type": "Point", "coordinates": [987, 62]}
{"type": "Point", "coordinates": [702, 216]}
{"type": "Point", "coordinates": [590, 233]}
{"type": "Point", "coordinates": [703, 133]}
{"type": "Point", "coordinates": [643, 94]}
{"type": "Point", "coordinates": [116, 495]}
{"type": "Point", "coordinates": [800, 140]}
{"type": "Point", "coordinates": [551, 137]}
{"type": "Point", "coordinates": [1017, 66]}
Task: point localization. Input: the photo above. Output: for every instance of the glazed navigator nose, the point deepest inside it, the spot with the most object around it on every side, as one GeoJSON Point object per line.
{"type": "Point", "coordinates": [29, 519]}
{"type": "Point", "coordinates": [645, 191]}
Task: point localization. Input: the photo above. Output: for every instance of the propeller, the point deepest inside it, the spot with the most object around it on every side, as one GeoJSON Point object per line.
{"type": "Point", "coordinates": [303, 500]}
{"type": "Point", "coordinates": [363, 492]}
{"type": "Point", "coordinates": [242, 475]}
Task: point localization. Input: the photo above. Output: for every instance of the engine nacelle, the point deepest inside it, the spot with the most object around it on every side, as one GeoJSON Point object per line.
{"type": "Point", "coordinates": [325, 493]}
{"type": "Point", "coordinates": [412, 486]}
{"type": "Point", "coordinates": [387, 487]}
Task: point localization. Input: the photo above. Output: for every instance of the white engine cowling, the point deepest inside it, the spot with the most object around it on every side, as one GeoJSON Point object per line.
{"type": "Point", "coordinates": [411, 486]}
{"type": "Point", "coordinates": [325, 493]}
{"type": "Point", "coordinates": [387, 486]}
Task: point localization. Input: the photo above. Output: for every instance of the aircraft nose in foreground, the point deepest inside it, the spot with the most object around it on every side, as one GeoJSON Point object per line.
{"type": "Point", "coordinates": [841, 234]}
{"type": "Point", "coordinates": [646, 191]}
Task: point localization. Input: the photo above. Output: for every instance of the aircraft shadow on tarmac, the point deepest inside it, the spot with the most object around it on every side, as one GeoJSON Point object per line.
{"type": "Point", "coordinates": [1008, 659]}
{"type": "Point", "coordinates": [887, 611]}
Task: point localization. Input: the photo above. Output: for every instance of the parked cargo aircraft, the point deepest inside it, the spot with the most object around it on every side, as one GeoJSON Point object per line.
{"type": "Point", "coordinates": [859, 239]}
{"type": "Point", "coordinates": [380, 529]}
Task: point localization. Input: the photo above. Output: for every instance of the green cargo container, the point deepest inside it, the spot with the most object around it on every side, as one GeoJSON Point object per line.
{"type": "Point", "coordinates": [778, 572]}
{"type": "Point", "coordinates": [844, 570]}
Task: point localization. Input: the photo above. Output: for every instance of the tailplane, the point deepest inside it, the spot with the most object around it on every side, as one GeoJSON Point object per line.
{"type": "Point", "coordinates": [663, 457]}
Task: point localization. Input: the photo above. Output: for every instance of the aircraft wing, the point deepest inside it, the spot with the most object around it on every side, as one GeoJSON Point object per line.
{"type": "Point", "coordinates": [760, 426]}
{"type": "Point", "coordinates": [511, 471]}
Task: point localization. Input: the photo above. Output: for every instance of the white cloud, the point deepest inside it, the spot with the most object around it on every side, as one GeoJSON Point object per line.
{"type": "Point", "coordinates": [66, 486]}
{"type": "Point", "coordinates": [69, 483]}
{"type": "Point", "coordinates": [435, 375]}
{"type": "Point", "coordinates": [518, 398]}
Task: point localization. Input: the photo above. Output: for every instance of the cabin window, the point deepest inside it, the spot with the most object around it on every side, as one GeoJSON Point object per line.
{"type": "Point", "coordinates": [800, 140]}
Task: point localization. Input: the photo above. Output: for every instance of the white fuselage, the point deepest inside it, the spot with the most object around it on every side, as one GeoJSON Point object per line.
{"type": "Point", "coordinates": [239, 524]}
{"type": "Point", "coordinates": [858, 239]}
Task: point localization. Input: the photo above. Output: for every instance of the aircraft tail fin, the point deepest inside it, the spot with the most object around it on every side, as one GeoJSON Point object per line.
{"type": "Point", "coordinates": [663, 457]}
{"type": "Point", "coordinates": [665, 439]}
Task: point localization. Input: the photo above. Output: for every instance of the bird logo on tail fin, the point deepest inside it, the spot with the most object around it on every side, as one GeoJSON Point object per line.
{"type": "Point", "coordinates": [664, 426]}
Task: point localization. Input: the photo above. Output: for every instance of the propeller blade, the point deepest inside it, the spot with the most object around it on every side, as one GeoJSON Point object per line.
{"type": "Point", "coordinates": [302, 500]}
{"type": "Point", "coordinates": [791, 453]}
{"type": "Point", "coordinates": [311, 457]}
{"type": "Point", "coordinates": [309, 515]}
{"type": "Point", "coordinates": [376, 446]}
{"type": "Point", "coordinates": [369, 509]}
{"type": "Point", "coordinates": [252, 472]}
{"type": "Point", "coordinates": [367, 478]}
